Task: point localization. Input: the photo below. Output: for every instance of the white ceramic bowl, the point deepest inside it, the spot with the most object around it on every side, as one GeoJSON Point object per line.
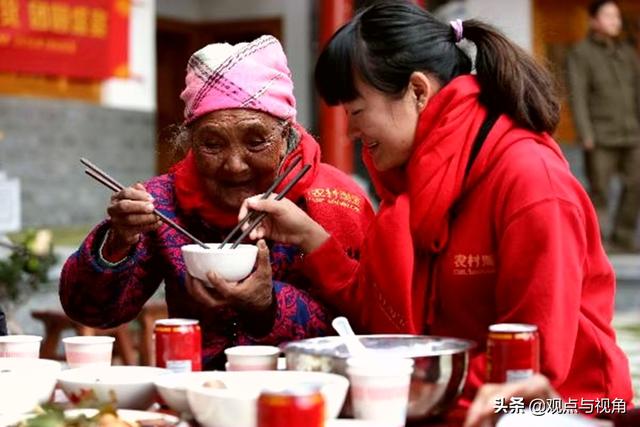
{"type": "Point", "coordinates": [230, 264]}
{"type": "Point", "coordinates": [236, 405]}
{"type": "Point", "coordinates": [133, 385]}
{"type": "Point", "coordinates": [172, 388]}
{"type": "Point", "coordinates": [25, 383]}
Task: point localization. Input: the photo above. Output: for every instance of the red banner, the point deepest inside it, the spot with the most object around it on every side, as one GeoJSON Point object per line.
{"type": "Point", "coordinates": [73, 38]}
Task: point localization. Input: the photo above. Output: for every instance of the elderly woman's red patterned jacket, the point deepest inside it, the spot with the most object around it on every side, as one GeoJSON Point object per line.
{"type": "Point", "coordinates": [96, 294]}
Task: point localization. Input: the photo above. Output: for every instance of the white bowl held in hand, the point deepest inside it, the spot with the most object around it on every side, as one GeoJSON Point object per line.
{"type": "Point", "coordinates": [230, 264]}
{"type": "Point", "coordinates": [235, 405]}
{"type": "Point", "coordinates": [26, 383]}
{"type": "Point", "coordinates": [133, 386]}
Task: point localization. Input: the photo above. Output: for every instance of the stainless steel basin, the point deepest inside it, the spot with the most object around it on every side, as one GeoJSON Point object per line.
{"type": "Point", "coordinates": [440, 368]}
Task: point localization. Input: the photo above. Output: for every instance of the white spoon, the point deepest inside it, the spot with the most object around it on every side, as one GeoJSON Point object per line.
{"type": "Point", "coordinates": [343, 328]}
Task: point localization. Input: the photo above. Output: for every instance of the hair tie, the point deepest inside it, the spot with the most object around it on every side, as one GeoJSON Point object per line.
{"type": "Point", "coordinates": [457, 29]}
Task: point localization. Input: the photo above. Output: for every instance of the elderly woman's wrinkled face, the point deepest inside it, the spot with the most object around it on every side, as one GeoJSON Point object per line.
{"type": "Point", "coordinates": [238, 153]}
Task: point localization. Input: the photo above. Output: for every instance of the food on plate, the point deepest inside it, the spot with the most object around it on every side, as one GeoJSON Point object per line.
{"type": "Point", "coordinates": [107, 416]}
{"type": "Point", "coordinates": [214, 384]}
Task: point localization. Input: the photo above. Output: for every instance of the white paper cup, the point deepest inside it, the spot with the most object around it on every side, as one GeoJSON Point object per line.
{"type": "Point", "coordinates": [252, 358]}
{"type": "Point", "coordinates": [93, 351]}
{"type": "Point", "coordinates": [380, 388]}
{"type": "Point", "coordinates": [20, 346]}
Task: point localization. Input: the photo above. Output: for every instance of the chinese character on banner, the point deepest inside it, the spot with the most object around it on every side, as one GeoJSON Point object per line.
{"type": "Point", "coordinates": [9, 14]}
{"type": "Point", "coordinates": [86, 39]}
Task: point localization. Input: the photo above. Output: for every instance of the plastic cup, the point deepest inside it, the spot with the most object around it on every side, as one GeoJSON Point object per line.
{"type": "Point", "coordinates": [92, 351]}
{"type": "Point", "coordinates": [252, 358]}
{"type": "Point", "coordinates": [380, 388]}
{"type": "Point", "coordinates": [20, 346]}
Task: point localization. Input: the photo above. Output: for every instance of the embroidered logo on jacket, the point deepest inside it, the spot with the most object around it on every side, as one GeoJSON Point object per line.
{"type": "Point", "coordinates": [336, 197]}
{"type": "Point", "coordinates": [473, 264]}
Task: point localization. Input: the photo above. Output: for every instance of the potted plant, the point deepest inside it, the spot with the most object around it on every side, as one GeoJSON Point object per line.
{"type": "Point", "coordinates": [24, 268]}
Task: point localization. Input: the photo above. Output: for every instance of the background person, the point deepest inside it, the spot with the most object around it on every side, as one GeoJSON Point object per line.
{"type": "Point", "coordinates": [604, 86]}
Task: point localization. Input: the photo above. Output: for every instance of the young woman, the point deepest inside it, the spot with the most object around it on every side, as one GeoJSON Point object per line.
{"type": "Point", "coordinates": [481, 221]}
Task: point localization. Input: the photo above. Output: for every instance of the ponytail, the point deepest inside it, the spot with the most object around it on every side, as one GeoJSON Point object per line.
{"type": "Point", "coordinates": [387, 41]}
{"type": "Point", "coordinates": [512, 81]}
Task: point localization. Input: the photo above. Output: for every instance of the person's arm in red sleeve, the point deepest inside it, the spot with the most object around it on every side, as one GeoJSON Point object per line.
{"type": "Point", "coordinates": [383, 305]}
{"type": "Point", "coordinates": [541, 262]}
{"type": "Point", "coordinates": [337, 276]}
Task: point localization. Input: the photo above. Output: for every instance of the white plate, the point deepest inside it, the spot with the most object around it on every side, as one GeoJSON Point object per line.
{"type": "Point", "coordinates": [127, 415]}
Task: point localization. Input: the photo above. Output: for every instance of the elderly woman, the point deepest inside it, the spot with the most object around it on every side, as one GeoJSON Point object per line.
{"type": "Point", "coordinates": [241, 129]}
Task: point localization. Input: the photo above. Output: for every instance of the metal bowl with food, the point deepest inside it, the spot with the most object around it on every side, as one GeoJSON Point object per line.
{"type": "Point", "coordinates": [439, 374]}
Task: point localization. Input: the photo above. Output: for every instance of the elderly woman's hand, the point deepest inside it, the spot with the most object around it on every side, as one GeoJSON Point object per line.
{"type": "Point", "coordinates": [130, 213]}
{"type": "Point", "coordinates": [285, 223]}
{"type": "Point", "coordinates": [253, 297]}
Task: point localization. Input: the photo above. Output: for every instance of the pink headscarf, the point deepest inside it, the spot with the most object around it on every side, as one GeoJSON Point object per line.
{"type": "Point", "coordinates": [246, 75]}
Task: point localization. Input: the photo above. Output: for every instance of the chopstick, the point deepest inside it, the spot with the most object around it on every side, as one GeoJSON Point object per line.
{"type": "Point", "coordinates": [280, 196]}
{"type": "Point", "coordinates": [251, 214]}
{"type": "Point", "coordinates": [102, 177]}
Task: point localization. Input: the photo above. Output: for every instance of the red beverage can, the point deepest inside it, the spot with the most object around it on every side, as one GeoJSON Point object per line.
{"type": "Point", "coordinates": [178, 344]}
{"type": "Point", "coordinates": [513, 352]}
{"type": "Point", "coordinates": [299, 406]}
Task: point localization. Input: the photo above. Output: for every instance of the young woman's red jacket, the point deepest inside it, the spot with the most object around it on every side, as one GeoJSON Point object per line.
{"type": "Point", "coordinates": [517, 241]}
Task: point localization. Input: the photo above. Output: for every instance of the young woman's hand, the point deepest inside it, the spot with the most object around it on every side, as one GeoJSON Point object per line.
{"type": "Point", "coordinates": [131, 213]}
{"type": "Point", "coordinates": [285, 222]}
{"type": "Point", "coordinates": [483, 409]}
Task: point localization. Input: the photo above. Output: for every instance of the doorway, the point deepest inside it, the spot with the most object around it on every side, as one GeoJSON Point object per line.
{"type": "Point", "coordinates": [175, 42]}
{"type": "Point", "coordinates": [557, 27]}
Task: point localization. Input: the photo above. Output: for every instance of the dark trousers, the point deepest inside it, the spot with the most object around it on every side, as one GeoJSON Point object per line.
{"type": "Point", "coordinates": [602, 165]}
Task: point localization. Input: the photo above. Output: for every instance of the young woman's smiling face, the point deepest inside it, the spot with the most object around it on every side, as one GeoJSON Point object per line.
{"type": "Point", "coordinates": [385, 124]}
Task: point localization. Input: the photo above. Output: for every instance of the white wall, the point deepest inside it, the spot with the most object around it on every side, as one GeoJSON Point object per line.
{"type": "Point", "coordinates": [184, 10]}
{"type": "Point", "coordinates": [513, 17]}
{"type": "Point", "coordinates": [295, 15]}
{"type": "Point", "coordinates": [139, 91]}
